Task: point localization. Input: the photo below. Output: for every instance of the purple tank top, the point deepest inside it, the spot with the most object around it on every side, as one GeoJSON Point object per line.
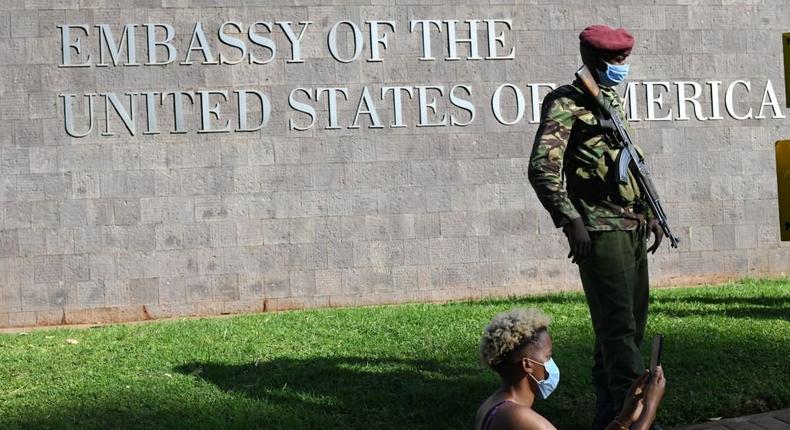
{"type": "Point", "coordinates": [489, 417]}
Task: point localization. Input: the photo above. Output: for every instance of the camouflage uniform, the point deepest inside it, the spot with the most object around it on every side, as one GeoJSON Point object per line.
{"type": "Point", "coordinates": [579, 150]}
{"type": "Point", "coordinates": [573, 171]}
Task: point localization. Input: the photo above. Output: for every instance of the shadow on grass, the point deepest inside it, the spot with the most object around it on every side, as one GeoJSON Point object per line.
{"type": "Point", "coordinates": [356, 392]}
{"type": "Point", "coordinates": [322, 393]}
{"type": "Point", "coordinates": [769, 307]}
{"type": "Point", "coordinates": [704, 361]}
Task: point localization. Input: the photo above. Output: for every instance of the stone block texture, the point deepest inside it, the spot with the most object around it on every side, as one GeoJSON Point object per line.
{"type": "Point", "coordinates": [116, 227]}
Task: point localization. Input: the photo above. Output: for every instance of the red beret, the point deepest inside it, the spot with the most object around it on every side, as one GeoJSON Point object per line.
{"type": "Point", "coordinates": [607, 39]}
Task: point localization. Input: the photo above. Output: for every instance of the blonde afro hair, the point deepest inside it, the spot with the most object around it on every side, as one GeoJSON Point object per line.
{"type": "Point", "coordinates": [509, 330]}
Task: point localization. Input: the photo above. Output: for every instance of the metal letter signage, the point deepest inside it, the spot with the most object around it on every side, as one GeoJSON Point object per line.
{"type": "Point", "coordinates": [138, 111]}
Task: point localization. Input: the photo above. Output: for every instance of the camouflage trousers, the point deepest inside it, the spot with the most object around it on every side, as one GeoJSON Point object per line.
{"type": "Point", "coordinates": [615, 281]}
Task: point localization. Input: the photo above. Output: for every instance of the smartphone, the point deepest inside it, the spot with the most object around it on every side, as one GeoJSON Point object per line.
{"type": "Point", "coordinates": [655, 359]}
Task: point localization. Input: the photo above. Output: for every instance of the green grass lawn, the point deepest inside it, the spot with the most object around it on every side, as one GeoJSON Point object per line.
{"type": "Point", "coordinates": [727, 353]}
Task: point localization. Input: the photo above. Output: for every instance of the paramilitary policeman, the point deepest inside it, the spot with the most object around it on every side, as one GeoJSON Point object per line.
{"type": "Point", "coordinates": [572, 169]}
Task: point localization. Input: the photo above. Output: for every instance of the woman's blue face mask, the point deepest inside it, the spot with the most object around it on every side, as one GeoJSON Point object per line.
{"type": "Point", "coordinates": [613, 75]}
{"type": "Point", "coordinates": [547, 385]}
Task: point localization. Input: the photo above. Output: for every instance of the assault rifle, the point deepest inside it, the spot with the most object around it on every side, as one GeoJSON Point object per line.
{"type": "Point", "coordinates": [628, 157]}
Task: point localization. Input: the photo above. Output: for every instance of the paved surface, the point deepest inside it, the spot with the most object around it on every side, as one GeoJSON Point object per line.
{"type": "Point", "coordinates": [776, 420]}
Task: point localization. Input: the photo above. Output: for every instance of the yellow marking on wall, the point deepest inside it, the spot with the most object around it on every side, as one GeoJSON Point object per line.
{"type": "Point", "coordinates": [786, 49]}
{"type": "Point", "coordinates": [783, 184]}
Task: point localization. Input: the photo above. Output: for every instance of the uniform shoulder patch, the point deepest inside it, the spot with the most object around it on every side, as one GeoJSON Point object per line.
{"type": "Point", "coordinates": [564, 103]}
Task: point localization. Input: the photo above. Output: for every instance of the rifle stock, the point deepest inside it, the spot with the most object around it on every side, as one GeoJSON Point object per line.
{"type": "Point", "coordinates": [587, 79]}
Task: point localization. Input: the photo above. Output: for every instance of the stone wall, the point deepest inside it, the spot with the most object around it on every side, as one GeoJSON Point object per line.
{"type": "Point", "coordinates": [142, 219]}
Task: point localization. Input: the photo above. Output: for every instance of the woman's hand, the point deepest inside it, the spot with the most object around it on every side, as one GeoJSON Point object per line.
{"type": "Point", "coordinates": [655, 389]}
{"type": "Point", "coordinates": [641, 405]}
{"type": "Point", "coordinates": [633, 405]}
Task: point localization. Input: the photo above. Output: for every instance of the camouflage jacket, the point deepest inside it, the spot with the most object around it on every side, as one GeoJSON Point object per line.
{"type": "Point", "coordinates": [572, 166]}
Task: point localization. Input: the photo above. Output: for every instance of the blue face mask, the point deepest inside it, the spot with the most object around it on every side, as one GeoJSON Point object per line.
{"type": "Point", "coordinates": [613, 75]}
{"type": "Point", "coordinates": [546, 386]}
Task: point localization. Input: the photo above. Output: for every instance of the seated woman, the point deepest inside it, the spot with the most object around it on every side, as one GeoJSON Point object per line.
{"type": "Point", "coordinates": [518, 347]}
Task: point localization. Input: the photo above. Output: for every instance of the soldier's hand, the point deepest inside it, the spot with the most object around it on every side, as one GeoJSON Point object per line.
{"type": "Point", "coordinates": [655, 228]}
{"type": "Point", "coordinates": [578, 239]}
